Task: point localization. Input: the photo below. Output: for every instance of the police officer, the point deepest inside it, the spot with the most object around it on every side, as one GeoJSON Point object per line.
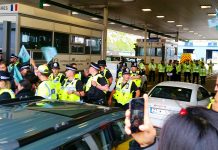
{"type": "Point", "coordinates": [151, 68]}
{"type": "Point", "coordinates": [14, 61]}
{"type": "Point", "coordinates": [24, 69]}
{"type": "Point", "coordinates": [46, 88]}
{"type": "Point", "coordinates": [96, 86]}
{"type": "Point", "coordinates": [72, 88]}
{"type": "Point", "coordinates": [105, 72]}
{"type": "Point", "coordinates": [187, 71]}
{"type": "Point", "coordinates": [210, 67]}
{"type": "Point", "coordinates": [121, 66]}
{"type": "Point", "coordinates": [56, 76]}
{"type": "Point", "coordinates": [161, 71]}
{"type": "Point", "coordinates": [178, 71]}
{"type": "Point", "coordinates": [135, 74]}
{"type": "Point", "coordinates": [78, 74]}
{"type": "Point", "coordinates": [124, 90]}
{"type": "Point", "coordinates": [203, 73]}
{"type": "Point", "coordinates": [169, 69]}
{"type": "Point", "coordinates": [195, 71]}
{"type": "Point", "coordinates": [5, 85]}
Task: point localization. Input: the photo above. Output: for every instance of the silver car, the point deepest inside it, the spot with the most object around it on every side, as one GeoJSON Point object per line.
{"type": "Point", "coordinates": [169, 97]}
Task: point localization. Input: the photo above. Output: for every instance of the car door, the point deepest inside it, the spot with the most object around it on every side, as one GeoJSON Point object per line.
{"type": "Point", "coordinates": [203, 97]}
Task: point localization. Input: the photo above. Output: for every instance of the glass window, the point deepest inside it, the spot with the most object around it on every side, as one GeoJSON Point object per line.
{"type": "Point", "coordinates": [140, 51]}
{"type": "Point", "coordinates": [150, 52]}
{"type": "Point", "coordinates": [35, 39]}
{"type": "Point", "coordinates": [77, 39]}
{"type": "Point", "coordinates": [61, 42]}
{"type": "Point", "coordinates": [100, 140]}
{"type": "Point", "coordinates": [174, 93]}
{"type": "Point", "coordinates": [77, 49]}
{"type": "Point", "coordinates": [77, 145]}
{"type": "Point", "coordinates": [93, 45]}
{"type": "Point", "coordinates": [202, 94]}
{"type": "Point", "coordinates": [159, 52]}
{"type": "Point", "coordinates": [118, 133]}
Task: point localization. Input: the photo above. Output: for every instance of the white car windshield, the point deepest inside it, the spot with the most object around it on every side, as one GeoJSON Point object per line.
{"type": "Point", "coordinates": [173, 93]}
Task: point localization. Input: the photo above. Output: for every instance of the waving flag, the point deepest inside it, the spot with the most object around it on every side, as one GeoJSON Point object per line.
{"type": "Point", "coordinates": [23, 54]}
{"type": "Point", "coordinates": [17, 76]}
{"type": "Point", "coordinates": [49, 53]}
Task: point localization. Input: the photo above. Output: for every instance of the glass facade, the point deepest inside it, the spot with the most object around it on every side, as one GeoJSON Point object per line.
{"type": "Point", "coordinates": [35, 39]}
{"type": "Point", "coordinates": [61, 42]}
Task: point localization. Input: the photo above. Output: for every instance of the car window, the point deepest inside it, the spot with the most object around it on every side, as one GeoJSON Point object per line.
{"type": "Point", "coordinates": [202, 94]}
{"type": "Point", "coordinates": [101, 140]}
{"type": "Point", "coordinates": [117, 131]}
{"type": "Point", "coordinates": [80, 144]}
{"type": "Point", "coordinates": [173, 93]}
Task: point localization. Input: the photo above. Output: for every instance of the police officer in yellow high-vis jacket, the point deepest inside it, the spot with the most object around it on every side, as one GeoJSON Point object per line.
{"type": "Point", "coordinates": [46, 88]}
{"type": "Point", "coordinates": [96, 86]}
{"type": "Point", "coordinates": [135, 75]}
{"type": "Point", "coordinates": [5, 91]}
{"type": "Point", "coordinates": [123, 91]}
{"type": "Point", "coordinates": [105, 72]}
{"type": "Point", "coordinates": [56, 76]}
{"type": "Point", "coordinates": [72, 88]}
{"type": "Point", "coordinates": [78, 74]}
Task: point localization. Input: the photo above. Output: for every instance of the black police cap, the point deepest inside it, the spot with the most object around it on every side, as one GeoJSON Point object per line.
{"type": "Point", "coordinates": [95, 66]}
{"type": "Point", "coordinates": [4, 75]}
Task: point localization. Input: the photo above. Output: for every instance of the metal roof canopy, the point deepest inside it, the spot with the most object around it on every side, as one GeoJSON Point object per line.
{"type": "Point", "coordinates": [187, 13]}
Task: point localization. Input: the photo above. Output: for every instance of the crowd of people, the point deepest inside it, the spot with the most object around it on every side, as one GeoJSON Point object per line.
{"type": "Point", "coordinates": [91, 85]}
{"type": "Point", "coordinates": [173, 71]}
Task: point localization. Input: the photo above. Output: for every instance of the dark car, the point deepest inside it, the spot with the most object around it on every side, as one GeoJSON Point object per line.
{"type": "Point", "coordinates": [58, 125]}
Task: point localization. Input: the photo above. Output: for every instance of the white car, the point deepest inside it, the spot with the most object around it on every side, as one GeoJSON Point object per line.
{"type": "Point", "coordinates": [169, 97]}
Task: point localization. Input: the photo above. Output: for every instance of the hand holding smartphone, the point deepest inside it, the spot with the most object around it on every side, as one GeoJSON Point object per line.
{"type": "Point", "coordinates": [136, 106]}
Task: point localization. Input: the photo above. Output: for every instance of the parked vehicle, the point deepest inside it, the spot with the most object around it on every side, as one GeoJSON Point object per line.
{"type": "Point", "coordinates": [170, 96]}
{"type": "Point", "coordinates": [58, 125]}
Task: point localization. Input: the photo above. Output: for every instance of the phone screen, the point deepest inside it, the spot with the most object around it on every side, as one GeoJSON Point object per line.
{"type": "Point", "coordinates": [136, 113]}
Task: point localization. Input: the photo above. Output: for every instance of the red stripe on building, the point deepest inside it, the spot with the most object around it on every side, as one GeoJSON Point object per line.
{"type": "Point", "coordinates": [16, 7]}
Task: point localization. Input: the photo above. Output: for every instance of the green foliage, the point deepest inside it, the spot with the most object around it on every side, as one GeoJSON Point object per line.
{"type": "Point", "coordinates": [120, 41]}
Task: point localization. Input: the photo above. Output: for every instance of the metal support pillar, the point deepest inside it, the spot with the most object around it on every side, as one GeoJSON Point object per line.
{"type": "Point", "coordinates": [6, 41]}
{"type": "Point", "coordinates": [145, 44]}
{"type": "Point", "coordinates": [104, 40]}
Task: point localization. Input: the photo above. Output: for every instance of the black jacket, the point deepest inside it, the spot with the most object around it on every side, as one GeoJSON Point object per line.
{"type": "Point", "coordinates": [24, 93]}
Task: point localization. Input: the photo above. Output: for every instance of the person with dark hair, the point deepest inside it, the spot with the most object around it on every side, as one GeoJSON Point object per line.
{"type": "Point", "coordinates": [24, 89]}
{"type": "Point", "coordinates": [194, 128]}
{"type": "Point", "coordinates": [46, 88]}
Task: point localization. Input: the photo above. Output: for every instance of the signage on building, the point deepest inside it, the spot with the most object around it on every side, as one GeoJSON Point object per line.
{"type": "Point", "coordinates": [8, 8]}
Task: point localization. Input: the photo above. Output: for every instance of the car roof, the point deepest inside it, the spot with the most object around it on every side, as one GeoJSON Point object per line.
{"type": "Point", "coordinates": [22, 122]}
{"type": "Point", "coordinates": [179, 84]}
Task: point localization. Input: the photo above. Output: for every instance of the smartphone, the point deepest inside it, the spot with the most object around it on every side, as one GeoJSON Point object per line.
{"type": "Point", "coordinates": [136, 106]}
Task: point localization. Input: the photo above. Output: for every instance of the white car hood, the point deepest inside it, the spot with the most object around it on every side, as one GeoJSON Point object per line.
{"type": "Point", "coordinates": [160, 109]}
